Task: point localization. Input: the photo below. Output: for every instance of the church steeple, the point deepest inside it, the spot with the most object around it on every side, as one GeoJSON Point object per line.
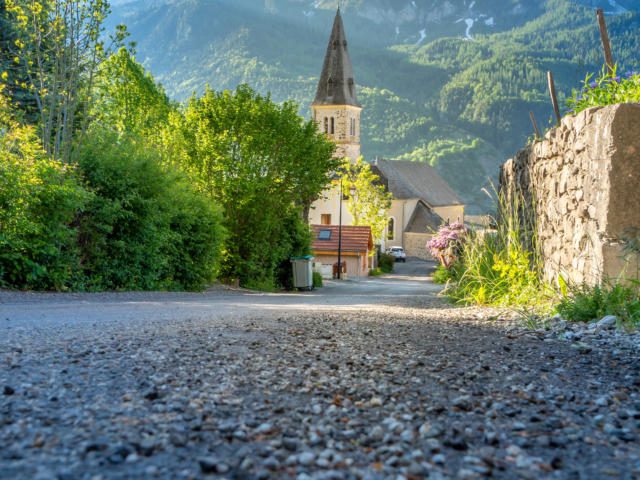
{"type": "Point", "coordinates": [336, 85]}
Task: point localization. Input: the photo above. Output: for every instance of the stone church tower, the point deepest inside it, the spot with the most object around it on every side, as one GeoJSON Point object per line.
{"type": "Point", "coordinates": [336, 110]}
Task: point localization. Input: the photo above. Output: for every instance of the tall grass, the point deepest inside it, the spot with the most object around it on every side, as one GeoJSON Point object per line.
{"type": "Point", "coordinates": [500, 265]}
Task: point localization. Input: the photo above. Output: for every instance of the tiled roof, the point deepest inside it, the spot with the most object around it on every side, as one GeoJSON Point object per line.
{"type": "Point", "coordinates": [336, 85]}
{"type": "Point", "coordinates": [411, 180]}
{"type": "Point", "coordinates": [354, 238]}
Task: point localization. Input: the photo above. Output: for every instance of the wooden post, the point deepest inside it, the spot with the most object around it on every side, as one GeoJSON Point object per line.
{"type": "Point", "coordinates": [552, 92]}
{"type": "Point", "coordinates": [605, 41]}
{"type": "Point", "coordinates": [535, 125]}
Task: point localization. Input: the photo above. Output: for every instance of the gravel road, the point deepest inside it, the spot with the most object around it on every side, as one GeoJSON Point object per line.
{"type": "Point", "coordinates": [376, 379]}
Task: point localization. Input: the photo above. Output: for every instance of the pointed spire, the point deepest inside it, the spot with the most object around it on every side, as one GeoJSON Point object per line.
{"type": "Point", "coordinates": [337, 85]}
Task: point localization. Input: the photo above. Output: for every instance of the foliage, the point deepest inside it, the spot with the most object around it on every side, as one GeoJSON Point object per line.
{"type": "Point", "coordinates": [585, 303]}
{"type": "Point", "coordinates": [606, 89]}
{"type": "Point", "coordinates": [59, 46]}
{"type": "Point", "coordinates": [368, 201]}
{"type": "Point", "coordinates": [263, 163]}
{"type": "Point", "coordinates": [145, 227]}
{"type": "Point", "coordinates": [448, 240]}
{"type": "Point", "coordinates": [386, 262]}
{"type": "Point", "coordinates": [442, 275]}
{"type": "Point", "coordinates": [317, 280]}
{"type": "Point", "coordinates": [128, 99]}
{"type": "Point", "coordinates": [502, 267]}
{"type": "Point", "coordinates": [459, 105]}
{"type": "Point", "coordinates": [374, 272]}
{"type": "Point", "coordinates": [39, 199]}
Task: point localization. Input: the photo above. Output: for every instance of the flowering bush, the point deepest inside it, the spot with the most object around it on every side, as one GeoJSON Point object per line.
{"type": "Point", "coordinates": [447, 241]}
{"type": "Point", "coordinates": [605, 90]}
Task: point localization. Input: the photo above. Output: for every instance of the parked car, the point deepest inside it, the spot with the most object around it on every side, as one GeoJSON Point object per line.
{"type": "Point", "coordinates": [398, 252]}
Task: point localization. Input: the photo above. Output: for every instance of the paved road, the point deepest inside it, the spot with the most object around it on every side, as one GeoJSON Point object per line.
{"type": "Point", "coordinates": [409, 283]}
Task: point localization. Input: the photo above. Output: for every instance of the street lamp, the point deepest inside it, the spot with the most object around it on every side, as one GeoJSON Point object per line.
{"type": "Point", "coordinates": [340, 233]}
{"type": "Point", "coordinates": [352, 189]}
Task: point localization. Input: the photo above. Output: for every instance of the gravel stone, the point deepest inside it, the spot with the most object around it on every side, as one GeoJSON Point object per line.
{"type": "Point", "coordinates": [337, 384]}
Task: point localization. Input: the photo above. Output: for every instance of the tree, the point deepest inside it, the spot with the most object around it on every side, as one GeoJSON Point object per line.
{"type": "Point", "coordinates": [129, 101]}
{"type": "Point", "coordinates": [263, 163]}
{"type": "Point", "coordinates": [59, 47]}
{"type": "Point", "coordinates": [368, 201]}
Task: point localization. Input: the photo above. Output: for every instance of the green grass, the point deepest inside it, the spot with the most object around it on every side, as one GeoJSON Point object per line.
{"type": "Point", "coordinates": [501, 266]}
{"type": "Point", "coordinates": [442, 275]}
{"type": "Point", "coordinates": [585, 303]}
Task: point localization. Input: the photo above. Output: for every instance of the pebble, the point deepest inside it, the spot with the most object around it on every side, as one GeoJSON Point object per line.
{"type": "Point", "coordinates": [414, 391]}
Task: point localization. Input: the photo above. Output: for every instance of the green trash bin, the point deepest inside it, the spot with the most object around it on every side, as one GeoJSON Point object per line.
{"type": "Point", "coordinates": [302, 272]}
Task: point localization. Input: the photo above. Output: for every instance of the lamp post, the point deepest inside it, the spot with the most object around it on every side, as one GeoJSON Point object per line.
{"type": "Point", "coordinates": [340, 234]}
{"type": "Point", "coordinates": [352, 190]}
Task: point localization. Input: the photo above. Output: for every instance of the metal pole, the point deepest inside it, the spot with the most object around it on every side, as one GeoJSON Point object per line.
{"type": "Point", "coordinates": [340, 234]}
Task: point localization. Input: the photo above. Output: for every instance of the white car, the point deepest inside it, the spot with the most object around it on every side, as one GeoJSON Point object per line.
{"type": "Point", "coordinates": [398, 252]}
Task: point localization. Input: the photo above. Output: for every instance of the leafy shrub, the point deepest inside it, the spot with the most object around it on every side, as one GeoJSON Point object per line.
{"type": "Point", "coordinates": [146, 227]}
{"type": "Point", "coordinates": [374, 272]}
{"type": "Point", "coordinates": [442, 275]}
{"type": "Point", "coordinates": [448, 240]}
{"type": "Point", "coordinates": [39, 199]}
{"type": "Point", "coordinates": [606, 89]}
{"type": "Point", "coordinates": [584, 303]}
{"type": "Point", "coordinates": [501, 267]}
{"type": "Point", "coordinates": [386, 262]}
{"type": "Point", "coordinates": [317, 280]}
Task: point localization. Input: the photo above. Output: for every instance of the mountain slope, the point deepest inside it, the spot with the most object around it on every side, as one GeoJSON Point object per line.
{"type": "Point", "coordinates": [459, 104]}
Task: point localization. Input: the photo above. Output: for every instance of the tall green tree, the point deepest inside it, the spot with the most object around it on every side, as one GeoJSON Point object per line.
{"type": "Point", "coordinates": [368, 201]}
{"type": "Point", "coordinates": [263, 163]}
{"type": "Point", "coordinates": [59, 46]}
{"type": "Point", "coordinates": [129, 100]}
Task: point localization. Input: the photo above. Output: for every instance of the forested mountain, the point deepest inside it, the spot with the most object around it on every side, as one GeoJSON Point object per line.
{"type": "Point", "coordinates": [449, 82]}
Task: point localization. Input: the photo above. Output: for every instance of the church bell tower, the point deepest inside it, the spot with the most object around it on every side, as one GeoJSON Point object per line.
{"type": "Point", "coordinates": [336, 110]}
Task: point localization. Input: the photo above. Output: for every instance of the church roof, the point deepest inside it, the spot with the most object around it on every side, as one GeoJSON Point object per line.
{"type": "Point", "coordinates": [336, 85]}
{"type": "Point", "coordinates": [411, 180]}
{"type": "Point", "coordinates": [423, 220]}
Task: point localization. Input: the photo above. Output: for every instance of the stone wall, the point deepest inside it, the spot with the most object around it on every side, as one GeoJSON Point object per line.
{"type": "Point", "coordinates": [584, 179]}
{"type": "Point", "coordinates": [415, 245]}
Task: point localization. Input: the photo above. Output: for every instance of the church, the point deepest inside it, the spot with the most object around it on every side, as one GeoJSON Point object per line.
{"type": "Point", "coordinates": [422, 200]}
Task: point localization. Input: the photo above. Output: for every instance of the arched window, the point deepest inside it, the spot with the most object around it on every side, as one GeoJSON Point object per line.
{"type": "Point", "coordinates": [391, 228]}
{"type": "Point", "coordinates": [326, 125]}
{"type": "Point", "coordinates": [333, 126]}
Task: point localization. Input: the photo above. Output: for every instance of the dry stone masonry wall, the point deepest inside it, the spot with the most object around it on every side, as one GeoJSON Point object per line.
{"type": "Point", "coordinates": [582, 179]}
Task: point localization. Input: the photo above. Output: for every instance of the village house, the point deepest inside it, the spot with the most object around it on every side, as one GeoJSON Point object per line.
{"type": "Point", "coordinates": [422, 200]}
{"type": "Point", "coordinates": [356, 249]}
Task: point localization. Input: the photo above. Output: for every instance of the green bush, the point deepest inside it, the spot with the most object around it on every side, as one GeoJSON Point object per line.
{"type": "Point", "coordinates": [606, 89]}
{"type": "Point", "coordinates": [145, 227]}
{"type": "Point", "coordinates": [442, 275]}
{"type": "Point", "coordinates": [317, 280]}
{"type": "Point", "coordinates": [374, 272]}
{"type": "Point", "coordinates": [386, 262]}
{"type": "Point", "coordinates": [584, 303]}
{"type": "Point", "coordinates": [39, 199]}
{"type": "Point", "coordinates": [501, 266]}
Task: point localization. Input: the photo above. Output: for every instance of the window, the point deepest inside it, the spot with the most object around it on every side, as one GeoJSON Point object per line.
{"type": "Point", "coordinates": [326, 125]}
{"type": "Point", "coordinates": [333, 126]}
{"type": "Point", "coordinates": [324, 235]}
{"type": "Point", "coordinates": [325, 219]}
{"type": "Point", "coordinates": [391, 228]}
{"type": "Point", "coordinates": [352, 127]}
